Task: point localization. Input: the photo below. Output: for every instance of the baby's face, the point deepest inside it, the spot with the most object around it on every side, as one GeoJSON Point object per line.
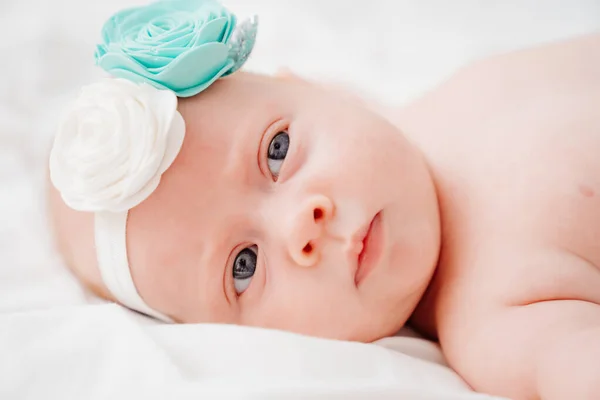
{"type": "Point", "coordinates": [260, 221]}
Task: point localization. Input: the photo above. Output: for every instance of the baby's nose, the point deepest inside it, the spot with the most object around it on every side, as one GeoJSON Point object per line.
{"type": "Point", "coordinates": [308, 225]}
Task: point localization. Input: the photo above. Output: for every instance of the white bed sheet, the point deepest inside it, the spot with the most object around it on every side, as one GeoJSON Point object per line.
{"type": "Point", "coordinates": [56, 341]}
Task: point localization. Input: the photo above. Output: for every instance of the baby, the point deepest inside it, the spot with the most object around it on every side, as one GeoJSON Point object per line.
{"type": "Point", "coordinates": [473, 213]}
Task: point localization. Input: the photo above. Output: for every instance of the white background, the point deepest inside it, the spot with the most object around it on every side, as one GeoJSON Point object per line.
{"type": "Point", "coordinates": [391, 49]}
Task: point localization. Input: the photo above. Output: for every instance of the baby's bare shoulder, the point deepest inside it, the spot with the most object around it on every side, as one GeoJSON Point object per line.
{"type": "Point", "coordinates": [513, 141]}
{"type": "Point", "coordinates": [516, 324]}
{"type": "Point", "coordinates": [518, 173]}
{"type": "Point", "coordinates": [547, 349]}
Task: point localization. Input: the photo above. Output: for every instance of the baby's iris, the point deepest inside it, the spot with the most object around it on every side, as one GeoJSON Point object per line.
{"type": "Point", "coordinates": [278, 150]}
{"type": "Point", "coordinates": [244, 267]}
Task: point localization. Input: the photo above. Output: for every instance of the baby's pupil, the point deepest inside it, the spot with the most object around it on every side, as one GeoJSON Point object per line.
{"type": "Point", "coordinates": [245, 264]}
{"type": "Point", "coordinates": [279, 146]}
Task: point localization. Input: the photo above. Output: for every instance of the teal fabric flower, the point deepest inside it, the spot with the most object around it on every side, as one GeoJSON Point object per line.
{"type": "Point", "coordinates": [179, 45]}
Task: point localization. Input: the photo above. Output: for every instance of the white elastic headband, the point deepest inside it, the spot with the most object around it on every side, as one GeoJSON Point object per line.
{"type": "Point", "coordinates": [111, 248]}
{"type": "Point", "coordinates": [114, 166]}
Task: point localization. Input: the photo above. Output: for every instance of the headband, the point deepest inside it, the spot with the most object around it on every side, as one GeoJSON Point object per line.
{"type": "Point", "coordinates": [121, 134]}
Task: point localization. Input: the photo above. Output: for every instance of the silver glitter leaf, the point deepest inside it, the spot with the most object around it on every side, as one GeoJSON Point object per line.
{"type": "Point", "coordinates": [242, 42]}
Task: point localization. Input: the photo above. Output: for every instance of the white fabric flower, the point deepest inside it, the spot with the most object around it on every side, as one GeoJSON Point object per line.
{"type": "Point", "coordinates": [114, 144]}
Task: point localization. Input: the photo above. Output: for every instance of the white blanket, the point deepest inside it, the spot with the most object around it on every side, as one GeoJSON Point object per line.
{"type": "Point", "coordinates": [56, 341]}
{"type": "Point", "coordinates": [106, 352]}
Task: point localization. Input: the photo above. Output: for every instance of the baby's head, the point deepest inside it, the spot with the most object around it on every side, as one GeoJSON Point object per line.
{"type": "Point", "coordinates": [253, 200]}
{"type": "Point", "coordinates": [260, 220]}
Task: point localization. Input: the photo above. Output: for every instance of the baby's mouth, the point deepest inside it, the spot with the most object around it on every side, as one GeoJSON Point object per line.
{"type": "Point", "coordinates": [368, 246]}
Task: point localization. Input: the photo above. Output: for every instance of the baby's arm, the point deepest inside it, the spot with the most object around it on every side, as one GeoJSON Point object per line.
{"type": "Point", "coordinates": [546, 350]}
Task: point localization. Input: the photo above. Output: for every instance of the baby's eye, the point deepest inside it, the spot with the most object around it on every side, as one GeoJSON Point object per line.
{"type": "Point", "coordinates": [278, 149]}
{"type": "Point", "coordinates": [243, 268]}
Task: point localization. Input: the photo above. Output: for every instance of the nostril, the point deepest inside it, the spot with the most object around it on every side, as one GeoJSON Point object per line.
{"type": "Point", "coordinates": [307, 249]}
{"type": "Point", "coordinates": [318, 214]}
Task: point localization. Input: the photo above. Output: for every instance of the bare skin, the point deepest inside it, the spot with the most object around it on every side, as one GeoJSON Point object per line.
{"type": "Point", "coordinates": [514, 146]}
{"type": "Point", "coordinates": [511, 144]}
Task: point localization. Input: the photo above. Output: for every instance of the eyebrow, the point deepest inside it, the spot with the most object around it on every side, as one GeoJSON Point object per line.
{"type": "Point", "coordinates": [248, 134]}
{"type": "Point", "coordinates": [215, 278]}
{"type": "Point", "coordinates": [236, 168]}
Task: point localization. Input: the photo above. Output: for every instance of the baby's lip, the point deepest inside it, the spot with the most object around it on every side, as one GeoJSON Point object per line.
{"type": "Point", "coordinates": [357, 241]}
{"type": "Point", "coordinates": [357, 248]}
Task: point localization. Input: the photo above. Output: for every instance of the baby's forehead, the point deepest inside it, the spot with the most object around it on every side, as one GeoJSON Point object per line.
{"type": "Point", "coordinates": [241, 88]}
{"type": "Point", "coordinates": [234, 107]}
{"type": "Point", "coordinates": [224, 128]}
{"type": "Point", "coordinates": [230, 101]}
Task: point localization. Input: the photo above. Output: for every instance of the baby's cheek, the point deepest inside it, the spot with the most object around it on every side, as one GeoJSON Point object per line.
{"type": "Point", "coordinates": [311, 310]}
